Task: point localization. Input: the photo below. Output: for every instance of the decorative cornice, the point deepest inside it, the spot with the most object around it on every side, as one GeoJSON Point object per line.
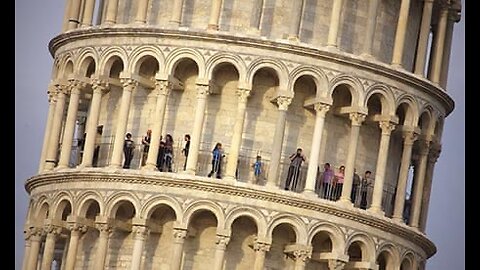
{"type": "Point", "coordinates": [380, 69]}
{"type": "Point", "coordinates": [217, 188]}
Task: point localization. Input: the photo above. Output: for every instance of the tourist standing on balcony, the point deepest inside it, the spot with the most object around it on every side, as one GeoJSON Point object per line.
{"type": "Point", "coordinates": [257, 168]}
{"type": "Point", "coordinates": [217, 157]}
{"type": "Point", "coordinates": [161, 155]}
{"type": "Point", "coordinates": [128, 147]}
{"type": "Point", "coordinates": [296, 160]}
{"type": "Point", "coordinates": [185, 150]}
{"type": "Point", "coordinates": [338, 182]}
{"type": "Point", "coordinates": [146, 145]}
{"type": "Point", "coordinates": [326, 179]}
{"type": "Point", "coordinates": [168, 152]}
{"type": "Point", "coordinates": [365, 184]}
{"type": "Point", "coordinates": [355, 186]}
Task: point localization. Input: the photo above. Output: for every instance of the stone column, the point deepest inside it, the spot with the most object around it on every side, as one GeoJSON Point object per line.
{"type": "Point", "coordinates": [260, 249]}
{"type": "Point", "coordinates": [422, 44]}
{"type": "Point", "coordinates": [177, 12]}
{"type": "Point", "coordinates": [35, 239]}
{"type": "Point", "coordinates": [386, 127]}
{"type": "Point", "coordinates": [128, 86]}
{"type": "Point", "coordinates": [237, 134]}
{"type": "Point", "coordinates": [26, 253]}
{"type": "Point", "coordinates": [178, 240]}
{"type": "Point", "coordinates": [221, 245]}
{"type": "Point", "coordinates": [202, 93]}
{"type": "Point", "coordinates": [448, 48]}
{"type": "Point", "coordinates": [321, 110]}
{"type": "Point", "coordinates": [98, 89]}
{"type": "Point", "coordinates": [102, 245]}
{"type": "Point", "coordinates": [283, 103]}
{"type": "Point", "coordinates": [371, 23]}
{"type": "Point", "coordinates": [400, 33]}
{"type": "Point", "coordinates": [419, 183]}
{"type": "Point", "coordinates": [215, 14]}
{"type": "Point", "coordinates": [52, 101]}
{"type": "Point", "coordinates": [69, 130]}
{"type": "Point", "coordinates": [296, 17]}
{"type": "Point", "coordinates": [111, 16]}
{"type": "Point", "coordinates": [52, 232]}
{"type": "Point", "coordinates": [76, 230]}
{"type": "Point", "coordinates": [334, 264]}
{"type": "Point", "coordinates": [334, 23]}
{"type": "Point", "coordinates": [73, 20]}
{"type": "Point", "coordinates": [140, 234]}
{"type": "Point", "coordinates": [66, 15]}
{"type": "Point", "coordinates": [357, 119]}
{"type": "Point", "coordinates": [301, 257]}
{"type": "Point", "coordinates": [164, 88]}
{"type": "Point", "coordinates": [408, 138]}
{"type": "Point", "coordinates": [142, 8]}
{"type": "Point", "coordinates": [432, 159]}
{"type": "Point", "coordinates": [51, 157]}
{"type": "Point", "coordinates": [438, 46]}
{"type": "Point", "coordinates": [88, 13]}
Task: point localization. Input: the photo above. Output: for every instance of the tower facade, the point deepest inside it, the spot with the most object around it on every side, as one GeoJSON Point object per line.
{"type": "Point", "coordinates": [313, 131]}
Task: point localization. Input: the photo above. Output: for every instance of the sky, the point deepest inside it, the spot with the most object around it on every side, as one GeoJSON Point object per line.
{"type": "Point", "coordinates": [37, 22]}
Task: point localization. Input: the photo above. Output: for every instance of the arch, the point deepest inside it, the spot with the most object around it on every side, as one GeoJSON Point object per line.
{"type": "Point", "coordinates": [391, 249]}
{"type": "Point", "coordinates": [438, 131]}
{"type": "Point", "coordinates": [196, 206]}
{"type": "Point", "coordinates": [67, 69]}
{"type": "Point", "coordinates": [82, 60]}
{"type": "Point", "coordinates": [60, 210]}
{"type": "Point", "coordinates": [369, 253]}
{"type": "Point", "coordinates": [412, 115]}
{"type": "Point", "coordinates": [149, 206]}
{"type": "Point", "coordinates": [58, 200]}
{"type": "Point", "coordinates": [223, 57]}
{"type": "Point", "coordinates": [296, 223]}
{"type": "Point", "coordinates": [43, 211]}
{"type": "Point", "coordinates": [86, 196]}
{"type": "Point", "coordinates": [336, 235]}
{"type": "Point", "coordinates": [409, 258]}
{"type": "Point", "coordinates": [255, 214]}
{"type": "Point", "coordinates": [107, 56]}
{"type": "Point", "coordinates": [387, 100]}
{"type": "Point", "coordinates": [62, 63]}
{"type": "Point", "coordinates": [113, 203]}
{"type": "Point", "coordinates": [425, 122]}
{"type": "Point", "coordinates": [318, 76]}
{"type": "Point", "coordinates": [354, 85]}
{"type": "Point", "coordinates": [180, 53]}
{"type": "Point", "coordinates": [279, 67]}
{"type": "Point", "coordinates": [139, 53]}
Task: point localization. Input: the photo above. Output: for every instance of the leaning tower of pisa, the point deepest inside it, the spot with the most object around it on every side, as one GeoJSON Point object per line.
{"type": "Point", "coordinates": [356, 84]}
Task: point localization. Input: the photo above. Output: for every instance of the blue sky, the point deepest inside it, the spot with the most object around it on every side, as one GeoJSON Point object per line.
{"type": "Point", "coordinates": [36, 22]}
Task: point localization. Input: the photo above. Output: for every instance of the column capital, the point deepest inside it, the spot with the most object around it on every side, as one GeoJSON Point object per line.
{"type": "Point", "coordinates": [128, 83]}
{"type": "Point", "coordinates": [261, 246]}
{"type": "Point", "coordinates": [243, 94]}
{"type": "Point", "coordinates": [302, 254]}
{"type": "Point", "coordinates": [321, 108]}
{"type": "Point", "coordinates": [104, 227]}
{"type": "Point", "coordinates": [164, 87]}
{"type": "Point", "coordinates": [35, 233]}
{"type": "Point", "coordinates": [99, 85]}
{"type": "Point", "coordinates": [203, 90]}
{"type": "Point", "coordinates": [334, 264]}
{"type": "Point", "coordinates": [52, 95]}
{"type": "Point", "coordinates": [179, 235]}
{"type": "Point", "coordinates": [140, 232]}
{"type": "Point", "coordinates": [74, 85]}
{"type": "Point", "coordinates": [434, 153]}
{"type": "Point", "coordinates": [77, 227]}
{"type": "Point", "coordinates": [423, 147]}
{"type": "Point", "coordinates": [409, 137]}
{"type": "Point", "coordinates": [387, 127]}
{"type": "Point", "coordinates": [51, 229]}
{"type": "Point", "coordinates": [283, 102]}
{"type": "Point", "coordinates": [222, 241]}
{"type": "Point", "coordinates": [357, 118]}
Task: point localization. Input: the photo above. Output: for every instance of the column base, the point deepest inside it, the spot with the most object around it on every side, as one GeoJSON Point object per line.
{"type": "Point", "coordinates": [229, 180]}
{"type": "Point", "coordinates": [213, 27]}
{"type": "Point", "coordinates": [398, 219]}
{"type": "Point", "coordinates": [189, 172]}
{"type": "Point", "coordinates": [376, 211]}
{"type": "Point", "coordinates": [310, 194]}
{"type": "Point", "coordinates": [345, 202]}
{"type": "Point", "coordinates": [397, 66]}
{"type": "Point", "coordinates": [149, 167]}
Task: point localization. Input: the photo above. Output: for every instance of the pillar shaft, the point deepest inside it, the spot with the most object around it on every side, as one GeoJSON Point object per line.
{"type": "Point", "coordinates": [321, 110]}
{"type": "Point", "coordinates": [237, 133]}
{"type": "Point", "coordinates": [371, 23]}
{"type": "Point", "coordinates": [140, 235]}
{"type": "Point", "coordinates": [178, 240]}
{"type": "Point", "coordinates": [386, 128]}
{"type": "Point", "coordinates": [334, 23]}
{"type": "Point", "coordinates": [73, 19]}
{"type": "Point", "coordinates": [400, 33]}
{"type": "Point", "coordinates": [283, 103]}
{"type": "Point", "coordinates": [88, 13]}
{"type": "Point", "coordinates": [51, 157]}
{"type": "Point", "coordinates": [418, 184]}
{"type": "Point", "coordinates": [111, 17]}
{"type": "Point", "coordinates": [141, 16]}
{"type": "Point", "coordinates": [128, 86]}
{"type": "Point", "coordinates": [76, 231]}
{"type": "Point", "coordinates": [35, 239]}
{"type": "Point", "coordinates": [422, 45]}
{"type": "Point", "coordinates": [102, 245]}
{"type": "Point", "coordinates": [409, 137]}
{"type": "Point", "coordinates": [296, 17]}
{"type": "Point", "coordinates": [221, 245]}
{"type": "Point", "coordinates": [357, 119]}
{"type": "Point", "coordinates": [70, 124]}
{"type": "Point", "coordinates": [439, 44]}
{"type": "Point", "coordinates": [432, 159]}
{"type": "Point", "coordinates": [202, 93]}
{"type": "Point", "coordinates": [164, 88]}
{"type": "Point", "coordinates": [260, 250]}
{"type": "Point", "coordinates": [88, 150]}
{"type": "Point", "coordinates": [177, 12]}
{"type": "Point", "coordinates": [52, 233]}
{"type": "Point", "coordinates": [26, 252]}
{"type": "Point", "coordinates": [66, 15]}
{"type": "Point", "coordinates": [215, 14]}
{"type": "Point", "coordinates": [446, 54]}
{"type": "Point", "coordinates": [51, 111]}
